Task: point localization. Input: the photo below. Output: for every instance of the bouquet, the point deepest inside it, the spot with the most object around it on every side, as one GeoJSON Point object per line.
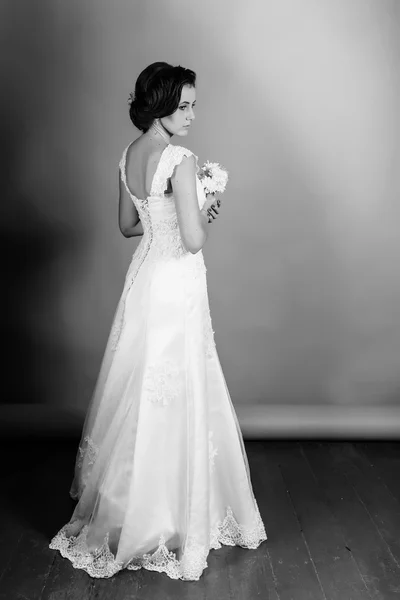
{"type": "Point", "coordinates": [213, 178]}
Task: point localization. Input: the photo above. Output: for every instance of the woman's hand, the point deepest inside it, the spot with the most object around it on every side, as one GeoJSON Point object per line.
{"type": "Point", "coordinates": [211, 206]}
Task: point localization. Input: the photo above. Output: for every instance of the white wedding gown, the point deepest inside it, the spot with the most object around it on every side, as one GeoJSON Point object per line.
{"type": "Point", "coordinates": [161, 475]}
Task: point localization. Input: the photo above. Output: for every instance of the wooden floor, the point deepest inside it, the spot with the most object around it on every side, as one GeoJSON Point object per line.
{"type": "Point", "coordinates": [331, 510]}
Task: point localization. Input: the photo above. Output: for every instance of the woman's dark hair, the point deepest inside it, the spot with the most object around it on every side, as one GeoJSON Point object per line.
{"type": "Point", "coordinates": [158, 93]}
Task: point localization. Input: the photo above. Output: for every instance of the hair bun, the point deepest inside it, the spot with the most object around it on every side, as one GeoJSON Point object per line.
{"type": "Point", "coordinates": [140, 115]}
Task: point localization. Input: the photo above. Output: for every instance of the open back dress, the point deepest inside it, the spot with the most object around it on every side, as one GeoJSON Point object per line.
{"type": "Point", "coordinates": [161, 475]}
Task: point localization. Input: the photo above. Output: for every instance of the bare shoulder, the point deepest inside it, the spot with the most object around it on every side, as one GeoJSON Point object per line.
{"type": "Point", "coordinates": [136, 147]}
{"type": "Point", "coordinates": [142, 157]}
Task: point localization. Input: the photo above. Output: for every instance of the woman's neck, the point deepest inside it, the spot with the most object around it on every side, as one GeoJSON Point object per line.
{"type": "Point", "coordinates": [158, 132]}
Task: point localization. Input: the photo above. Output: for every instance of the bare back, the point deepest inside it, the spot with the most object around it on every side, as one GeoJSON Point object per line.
{"type": "Point", "coordinates": [142, 159]}
{"type": "Point", "coordinates": [167, 173]}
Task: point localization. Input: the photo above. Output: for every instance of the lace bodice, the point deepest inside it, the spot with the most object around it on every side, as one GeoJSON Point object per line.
{"type": "Point", "coordinates": [157, 212]}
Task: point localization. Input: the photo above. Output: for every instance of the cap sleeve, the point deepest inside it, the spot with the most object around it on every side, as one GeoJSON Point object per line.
{"type": "Point", "coordinates": [173, 159]}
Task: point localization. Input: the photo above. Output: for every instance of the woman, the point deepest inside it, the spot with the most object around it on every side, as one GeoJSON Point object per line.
{"type": "Point", "coordinates": [161, 475]}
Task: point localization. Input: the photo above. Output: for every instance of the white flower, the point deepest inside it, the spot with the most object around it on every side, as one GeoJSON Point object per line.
{"type": "Point", "coordinates": [213, 178]}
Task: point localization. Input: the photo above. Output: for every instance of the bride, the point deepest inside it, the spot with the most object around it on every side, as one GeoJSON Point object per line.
{"type": "Point", "coordinates": [161, 475]}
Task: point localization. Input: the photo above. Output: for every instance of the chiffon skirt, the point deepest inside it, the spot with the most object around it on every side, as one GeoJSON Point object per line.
{"type": "Point", "coordinates": [161, 475]}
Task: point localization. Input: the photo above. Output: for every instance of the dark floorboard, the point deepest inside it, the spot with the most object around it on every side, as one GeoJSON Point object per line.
{"type": "Point", "coordinates": [331, 510]}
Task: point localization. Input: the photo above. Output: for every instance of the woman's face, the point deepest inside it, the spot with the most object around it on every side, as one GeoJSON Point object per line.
{"type": "Point", "coordinates": [179, 122]}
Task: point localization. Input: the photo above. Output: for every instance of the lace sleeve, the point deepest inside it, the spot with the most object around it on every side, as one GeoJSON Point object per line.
{"type": "Point", "coordinates": [174, 159]}
{"type": "Point", "coordinates": [186, 154]}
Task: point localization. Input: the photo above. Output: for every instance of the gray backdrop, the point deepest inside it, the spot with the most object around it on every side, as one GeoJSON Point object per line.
{"type": "Point", "coordinates": [299, 99]}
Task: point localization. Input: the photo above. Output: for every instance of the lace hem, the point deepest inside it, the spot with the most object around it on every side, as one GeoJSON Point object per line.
{"type": "Point", "coordinates": [101, 563]}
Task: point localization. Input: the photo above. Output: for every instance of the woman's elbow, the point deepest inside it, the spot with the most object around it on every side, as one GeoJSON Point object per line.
{"type": "Point", "coordinates": [194, 246]}
{"type": "Point", "coordinates": [127, 228]}
{"type": "Point", "coordinates": [124, 230]}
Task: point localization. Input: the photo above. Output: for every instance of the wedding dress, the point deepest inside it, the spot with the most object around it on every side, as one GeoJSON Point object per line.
{"type": "Point", "coordinates": [161, 475]}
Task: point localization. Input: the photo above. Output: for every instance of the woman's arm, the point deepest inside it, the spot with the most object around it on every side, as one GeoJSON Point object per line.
{"type": "Point", "coordinates": [134, 231]}
{"type": "Point", "coordinates": [192, 222]}
{"type": "Point", "coordinates": [128, 217]}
